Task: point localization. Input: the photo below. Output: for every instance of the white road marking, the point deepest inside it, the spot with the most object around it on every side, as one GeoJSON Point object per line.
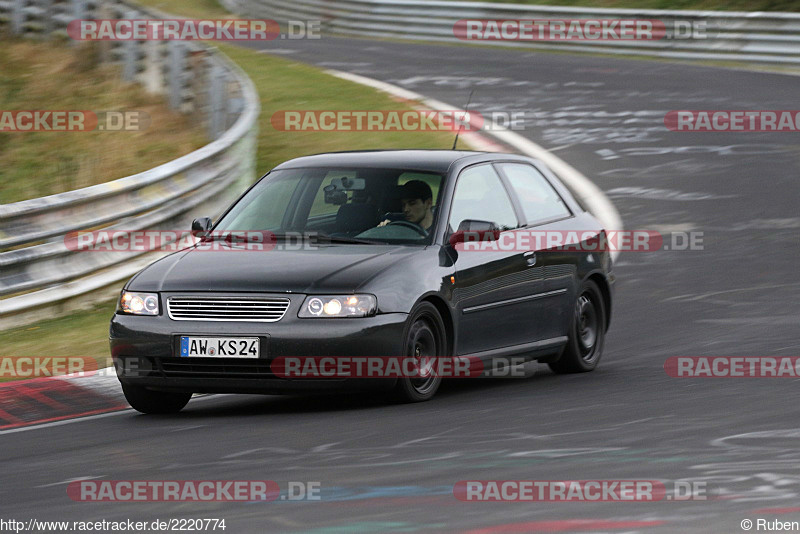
{"type": "Point", "coordinates": [69, 480]}
{"type": "Point", "coordinates": [80, 419]}
{"type": "Point", "coordinates": [279, 51]}
{"type": "Point", "coordinates": [64, 422]}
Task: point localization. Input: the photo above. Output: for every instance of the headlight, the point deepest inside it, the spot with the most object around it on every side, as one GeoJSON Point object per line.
{"type": "Point", "coordinates": [339, 306]}
{"type": "Point", "coordinates": [138, 303]}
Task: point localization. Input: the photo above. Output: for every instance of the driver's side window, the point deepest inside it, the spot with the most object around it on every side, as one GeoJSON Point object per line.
{"type": "Point", "coordinates": [480, 195]}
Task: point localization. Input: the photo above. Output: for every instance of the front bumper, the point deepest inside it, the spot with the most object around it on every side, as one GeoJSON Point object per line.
{"type": "Point", "coordinates": [145, 352]}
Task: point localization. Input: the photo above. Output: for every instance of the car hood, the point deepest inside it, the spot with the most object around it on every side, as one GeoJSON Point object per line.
{"type": "Point", "coordinates": [324, 268]}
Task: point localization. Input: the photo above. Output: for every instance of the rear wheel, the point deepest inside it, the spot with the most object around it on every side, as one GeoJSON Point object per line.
{"type": "Point", "coordinates": [155, 402]}
{"type": "Point", "coordinates": [587, 332]}
{"type": "Point", "coordinates": [425, 342]}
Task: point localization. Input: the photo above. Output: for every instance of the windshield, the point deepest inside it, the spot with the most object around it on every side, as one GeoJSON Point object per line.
{"type": "Point", "coordinates": [344, 205]}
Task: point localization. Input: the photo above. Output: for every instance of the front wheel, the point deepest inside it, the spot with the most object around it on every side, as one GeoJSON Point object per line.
{"type": "Point", "coordinates": [155, 402]}
{"type": "Point", "coordinates": [587, 332]}
{"type": "Point", "coordinates": [425, 343]}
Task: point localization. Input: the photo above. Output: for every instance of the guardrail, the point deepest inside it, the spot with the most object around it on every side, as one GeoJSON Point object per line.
{"type": "Point", "coordinates": [38, 271]}
{"type": "Point", "coordinates": [729, 36]}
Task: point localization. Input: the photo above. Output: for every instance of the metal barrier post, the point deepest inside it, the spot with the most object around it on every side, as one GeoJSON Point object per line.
{"type": "Point", "coordinates": [17, 16]}
{"type": "Point", "coordinates": [47, 17]}
{"type": "Point", "coordinates": [130, 55]}
{"type": "Point", "coordinates": [78, 9]}
{"type": "Point", "coordinates": [153, 78]}
{"type": "Point", "coordinates": [216, 101]}
{"type": "Point", "coordinates": [176, 66]}
{"type": "Point", "coordinates": [78, 12]}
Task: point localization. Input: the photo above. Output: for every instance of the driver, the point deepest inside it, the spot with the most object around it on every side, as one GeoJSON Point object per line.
{"type": "Point", "coordinates": [417, 199]}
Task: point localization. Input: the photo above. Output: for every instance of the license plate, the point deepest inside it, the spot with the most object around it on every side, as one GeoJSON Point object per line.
{"type": "Point", "coordinates": [219, 347]}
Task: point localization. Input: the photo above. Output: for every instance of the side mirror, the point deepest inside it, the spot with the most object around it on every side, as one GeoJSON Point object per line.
{"type": "Point", "coordinates": [475, 230]}
{"type": "Point", "coordinates": [201, 227]}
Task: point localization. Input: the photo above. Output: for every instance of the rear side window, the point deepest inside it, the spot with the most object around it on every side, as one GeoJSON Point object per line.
{"type": "Point", "coordinates": [480, 195]}
{"type": "Point", "coordinates": [540, 202]}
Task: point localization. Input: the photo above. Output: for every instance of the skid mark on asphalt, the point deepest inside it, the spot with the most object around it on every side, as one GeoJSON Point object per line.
{"type": "Point", "coordinates": [791, 223]}
{"type": "Point", "coordinates": [568, 525]}
{"type": "Point", "coordinates": [743, 480]}
{"type": "Point", "coordinates": [651, 193]}
{"type": "Point", "coordinates": [425, 452]}
{"type": "Point", "coordinates": [686, 166]}
{"type": "Point", "coordinates": [789, 510]}
{"type": "Point", "coordinates": [68, 481]}
{"type": "Point", "coordinates": [369, 527]}
{"type": "Point", "coordinates": [695, 296]}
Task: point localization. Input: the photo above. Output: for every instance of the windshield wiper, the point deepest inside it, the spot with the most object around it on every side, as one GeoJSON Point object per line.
{"type": "Point", "coordinates": [343, 239]}
{"type": "Point", "coordinates": [242, 238]}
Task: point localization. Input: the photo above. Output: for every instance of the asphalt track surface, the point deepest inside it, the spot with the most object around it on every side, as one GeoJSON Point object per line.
{"type": "Point", "coordinates": [392, 468]}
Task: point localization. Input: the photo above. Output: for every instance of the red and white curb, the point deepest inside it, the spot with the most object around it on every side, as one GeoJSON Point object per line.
{"type": "Point", "coordinates": [49, 399]}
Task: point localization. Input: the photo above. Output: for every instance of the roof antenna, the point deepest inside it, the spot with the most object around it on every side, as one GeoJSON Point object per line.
{"type": "Point", "coordinates": [466, 114]}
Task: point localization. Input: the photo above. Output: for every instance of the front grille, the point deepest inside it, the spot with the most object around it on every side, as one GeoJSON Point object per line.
{"type": "Point", "coordinates": [216, 368]}
{"type": "Point", "coordinates": [267, 310]}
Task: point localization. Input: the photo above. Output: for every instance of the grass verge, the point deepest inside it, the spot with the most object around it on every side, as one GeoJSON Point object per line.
{"type": "Point", "coordinates": [51, 76]}
{"type": "Point", "coordinates": [76, 334]}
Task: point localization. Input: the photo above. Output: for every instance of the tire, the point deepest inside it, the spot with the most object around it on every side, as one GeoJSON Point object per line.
{"type": "Point", "coordinates": [424, 338]}
{"type": "Point", "coordinates": [155, 402]}
{"type": "Point", "coordinates": [587, 333]}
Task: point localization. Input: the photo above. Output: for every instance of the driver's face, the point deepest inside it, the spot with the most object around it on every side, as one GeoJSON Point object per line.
{"type": "Point", "coordinates": [415, 209]}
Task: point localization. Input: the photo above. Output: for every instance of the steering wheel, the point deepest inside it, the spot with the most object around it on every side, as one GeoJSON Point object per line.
{"type": "Point", "coordinates": [420, 230]}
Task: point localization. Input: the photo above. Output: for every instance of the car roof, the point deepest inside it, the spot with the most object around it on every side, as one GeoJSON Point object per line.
{"type": "Point", "coordinates": [429, 160]}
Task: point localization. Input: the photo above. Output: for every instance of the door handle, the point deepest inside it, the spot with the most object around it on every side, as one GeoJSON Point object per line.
{"type": "Point", "coordinates": [530, 258]}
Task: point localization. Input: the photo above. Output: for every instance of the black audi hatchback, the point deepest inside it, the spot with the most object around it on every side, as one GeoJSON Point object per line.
{"type": "Point", "coordinates": [411, 254]}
